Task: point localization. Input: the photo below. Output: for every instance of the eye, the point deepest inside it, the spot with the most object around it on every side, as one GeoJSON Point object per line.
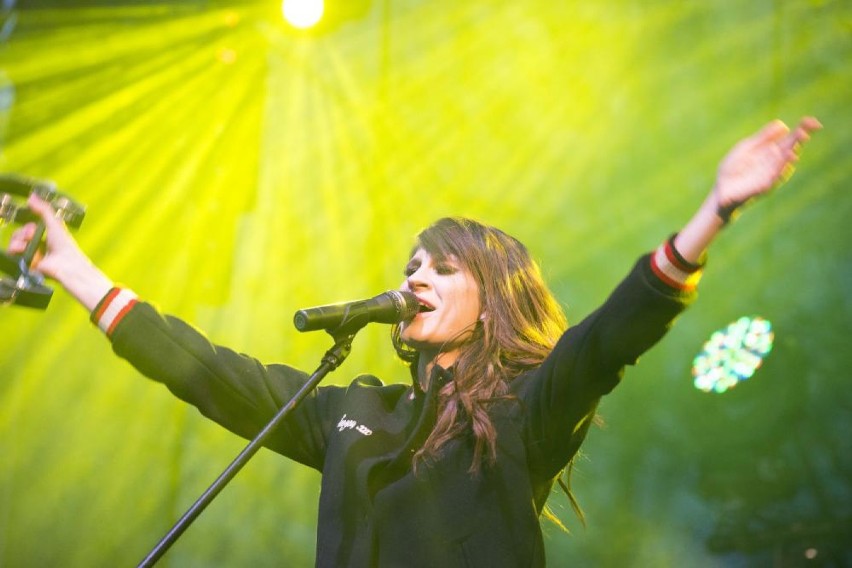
{"type": "Point", "coordinates": [445, 269]}
{"type": "Point", "coordinates": [410, 269]}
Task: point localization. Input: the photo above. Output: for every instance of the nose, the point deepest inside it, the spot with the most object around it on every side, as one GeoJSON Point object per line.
{"type": "Point", "coordinates": [416, 280]}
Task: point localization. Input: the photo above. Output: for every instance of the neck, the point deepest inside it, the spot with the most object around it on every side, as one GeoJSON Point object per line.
{"type": "Point", "coordinates": [426, 364]}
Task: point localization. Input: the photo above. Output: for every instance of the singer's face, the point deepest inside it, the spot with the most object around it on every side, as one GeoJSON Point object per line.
{"type": "Point", "coordinates": [449, 290]}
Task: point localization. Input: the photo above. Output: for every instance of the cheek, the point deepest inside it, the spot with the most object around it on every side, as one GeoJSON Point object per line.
{"type": "Point", "coordinates": [471, 306]}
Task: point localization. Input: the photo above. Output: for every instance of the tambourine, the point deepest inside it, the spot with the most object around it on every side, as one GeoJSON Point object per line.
{"type": "Point", "coordinates": [23, 286]}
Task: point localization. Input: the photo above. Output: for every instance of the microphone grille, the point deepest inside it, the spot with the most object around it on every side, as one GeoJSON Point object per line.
{"type": "Point", "coordinates": [406, 304]}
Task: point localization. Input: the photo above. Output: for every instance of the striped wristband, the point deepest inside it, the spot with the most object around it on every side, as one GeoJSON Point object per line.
{"type": "Point", "coordinates": [112, 308]}
{"type": "Point", "coordinates": [675, 271]}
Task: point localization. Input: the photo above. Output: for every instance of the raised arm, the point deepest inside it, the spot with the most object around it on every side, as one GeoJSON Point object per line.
{"type": "Point", "coordinates": [62, 259]}
{"type": "Point", "coordinates": [230, 388]}
{"type": "Point", "coordinates": [753, 167]}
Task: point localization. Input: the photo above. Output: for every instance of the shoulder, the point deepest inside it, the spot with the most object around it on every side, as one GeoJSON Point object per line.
{"type": "Point", "coordinates": [373, 387]}
{"type": "Point", "coordinates": [366, 381]}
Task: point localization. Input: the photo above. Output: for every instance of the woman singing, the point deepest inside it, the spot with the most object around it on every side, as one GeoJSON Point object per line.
{"type": "Point", "coordinates": [453, 465]}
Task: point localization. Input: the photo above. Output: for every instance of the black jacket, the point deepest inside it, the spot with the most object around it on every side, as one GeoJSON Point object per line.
{"type": "Point", "coordinates": [373, 510]}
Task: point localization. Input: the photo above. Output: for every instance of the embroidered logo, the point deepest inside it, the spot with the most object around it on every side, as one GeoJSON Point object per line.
{"type": "Point", "coordinates": [349, 424]}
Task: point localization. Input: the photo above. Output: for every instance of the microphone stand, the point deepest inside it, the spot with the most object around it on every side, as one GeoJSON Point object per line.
{"type": "Point", "coordinates": [331, 360]}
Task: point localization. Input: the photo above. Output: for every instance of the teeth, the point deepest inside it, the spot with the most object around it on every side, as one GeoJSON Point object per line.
{"type": "Point", "coordinates": [425, 308]}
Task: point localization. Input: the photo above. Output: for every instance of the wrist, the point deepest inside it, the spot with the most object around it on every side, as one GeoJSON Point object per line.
{"type": "Point", "coordinates": [84, 281]}
{"type": "Point", "coordinates": [695, 237]}
{"type": "Point", "coordinates": [725, 211]}
{"type": "Point", "coordinates": [112, 308]}
{"type": "Point", "coordinates": [674, 269]}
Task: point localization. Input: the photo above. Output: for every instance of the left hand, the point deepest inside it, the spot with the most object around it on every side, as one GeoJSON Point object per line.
{"type": "Point", "coordinates": [760, 162]}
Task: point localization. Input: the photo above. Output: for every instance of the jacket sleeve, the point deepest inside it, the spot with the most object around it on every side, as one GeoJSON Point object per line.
{"type": "Point", "coordinates": [588, 361]}
{"type": "Point", "coordinates": [230, 388]}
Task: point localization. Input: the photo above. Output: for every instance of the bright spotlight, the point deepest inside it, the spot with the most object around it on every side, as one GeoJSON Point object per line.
{"type": "Point", "coordinates": [302, 13]}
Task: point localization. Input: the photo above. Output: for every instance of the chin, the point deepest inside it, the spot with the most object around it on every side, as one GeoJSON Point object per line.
{"type": "Point", "coordinates": [410, 341]}
{"type": "Point", "coordinates": [413, 341]}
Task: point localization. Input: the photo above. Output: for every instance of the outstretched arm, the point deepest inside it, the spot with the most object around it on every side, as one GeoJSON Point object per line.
{"type": "Point", "coordinates": [752, 168]}
{"type": "Point", "coordinates": [62, 260]}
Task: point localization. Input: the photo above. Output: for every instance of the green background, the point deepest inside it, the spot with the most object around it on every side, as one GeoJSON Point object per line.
{"type": "Point", "coordinates": [236, 170]}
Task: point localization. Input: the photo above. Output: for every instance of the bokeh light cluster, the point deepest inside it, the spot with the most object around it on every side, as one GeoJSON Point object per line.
{"type": "Point", "coordinates": [733, 354]}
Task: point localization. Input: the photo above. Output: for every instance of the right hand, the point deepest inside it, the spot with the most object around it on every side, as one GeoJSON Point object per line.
{"type": "Point", "coordinates": [60, 253]}
{"type": "Point", "coordinates": [61, 257]}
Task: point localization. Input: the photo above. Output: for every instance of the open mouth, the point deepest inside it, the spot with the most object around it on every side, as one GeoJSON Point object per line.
{"type": "Point", "coordinates": [424, 307]}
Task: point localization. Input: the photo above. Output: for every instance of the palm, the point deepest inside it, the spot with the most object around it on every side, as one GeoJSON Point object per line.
{"type": "Point", "coordinates": [60, 245]}
{"type": "Point", "coordinates": [755, 165]}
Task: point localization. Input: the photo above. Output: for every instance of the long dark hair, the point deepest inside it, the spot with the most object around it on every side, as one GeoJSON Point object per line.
{"type": "Point", "coordinates": [522, 321]}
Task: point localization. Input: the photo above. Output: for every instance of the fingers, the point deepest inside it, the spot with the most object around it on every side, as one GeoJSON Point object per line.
{"type": "Point", "coordinates": [805, 127]}
{"type": "Point", "coordinates": [791, 145]}
{"type": "Point", "coordinates": [21, 237]}
{"type": "Point", "coordinates": [42, 208]}
{"type": "Point", "coordinates": [57, 232]}
{"type": "Point", "coordinates": [777, 131]}
{"type": "Point", "coordinates": [772, 132]}
{"type": "Point", "coordinates": [810, 124]}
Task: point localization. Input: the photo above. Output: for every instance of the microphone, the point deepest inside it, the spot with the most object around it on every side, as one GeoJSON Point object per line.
{"type": "Point", "coordinates": [391, 307]}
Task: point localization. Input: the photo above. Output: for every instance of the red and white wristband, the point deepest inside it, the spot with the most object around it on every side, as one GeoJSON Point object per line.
{"type": "Point", "coordinates": [674, 270]}
{"type": "Point", "coordinates": [112, 308]}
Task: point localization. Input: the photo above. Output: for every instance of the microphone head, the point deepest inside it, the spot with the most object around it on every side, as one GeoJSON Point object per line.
{"type": "Point", "coordinates": [389, 307]}
{"type": "Point", "coordinates": [405, 305]}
